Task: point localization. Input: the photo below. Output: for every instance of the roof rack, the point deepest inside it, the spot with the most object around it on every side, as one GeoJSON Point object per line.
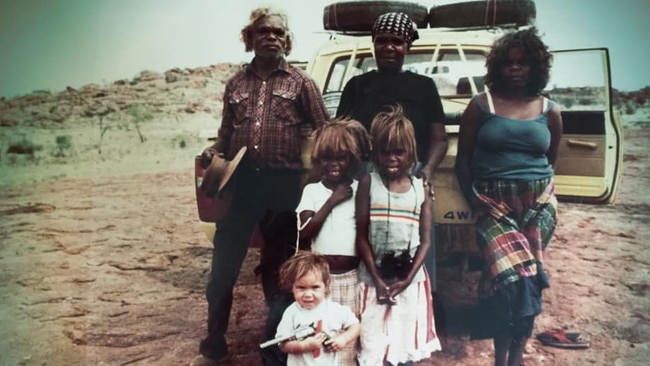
{"type": "Point", "coordinates": [493, 28]}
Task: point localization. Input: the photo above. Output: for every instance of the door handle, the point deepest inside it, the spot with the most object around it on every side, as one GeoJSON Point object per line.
{"type": "Point", "coordinates": [584, 144]}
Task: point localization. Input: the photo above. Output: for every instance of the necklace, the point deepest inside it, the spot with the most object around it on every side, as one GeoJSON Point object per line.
{"type": "Point", "coordinates": [388, 211]}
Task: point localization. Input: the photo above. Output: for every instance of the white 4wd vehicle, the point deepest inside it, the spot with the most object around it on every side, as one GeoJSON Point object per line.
{"type": "Point", "coordinates": [452, 52]}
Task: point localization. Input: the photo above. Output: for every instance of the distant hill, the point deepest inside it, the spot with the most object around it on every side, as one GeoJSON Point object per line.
{"type": "Point", "coordinates": [199, 90]}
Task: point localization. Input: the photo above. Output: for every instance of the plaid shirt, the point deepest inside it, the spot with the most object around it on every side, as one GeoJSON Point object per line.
{"type": "Point", "coordinates": [267, 116]}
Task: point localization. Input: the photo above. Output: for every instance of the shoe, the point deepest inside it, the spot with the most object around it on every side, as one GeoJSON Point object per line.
{"type": "Point", "coordinates": [207, 361]}
{"type": "Point", "coordinates": [560, 339]}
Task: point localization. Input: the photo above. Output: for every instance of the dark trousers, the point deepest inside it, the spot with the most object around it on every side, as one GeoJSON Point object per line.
{"type": "Point", "coordinates": [255, 192]}
{"type": "Point", "coordinates": [272, 356]}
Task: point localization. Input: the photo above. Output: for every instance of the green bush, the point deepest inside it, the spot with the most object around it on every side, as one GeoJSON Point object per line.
{"type": "Point", "coordinates": [63, 145]}
{"type": "Point", "coordinates": [139, 114]}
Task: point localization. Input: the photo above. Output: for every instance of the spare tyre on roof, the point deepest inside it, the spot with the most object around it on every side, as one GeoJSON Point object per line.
{"type": "Point", "coordinates": [483, 13]}
{"type": "Point", "coordinates": [359, 16]}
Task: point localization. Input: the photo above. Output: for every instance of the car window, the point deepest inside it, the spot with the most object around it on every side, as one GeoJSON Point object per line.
{"type": "Point", "coordinates": [452, 71]}
{"type": "Point", "coordinates": [578, 82]}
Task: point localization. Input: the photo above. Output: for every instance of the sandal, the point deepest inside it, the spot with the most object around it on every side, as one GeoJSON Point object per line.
{"type": "Point", "coordinates": [560, 339]}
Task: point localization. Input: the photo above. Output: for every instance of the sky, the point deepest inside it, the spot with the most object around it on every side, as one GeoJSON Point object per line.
{"type": "Point", "coordinates": [51, 44]}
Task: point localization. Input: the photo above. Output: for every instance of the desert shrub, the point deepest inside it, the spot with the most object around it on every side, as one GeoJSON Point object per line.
{"type": "Point", "coordinates": [640, 100]}
{"type": "Point", "coordinates": [567, 103]}
{"type": "Point", "coordinates": [139, 114]}
{"type": "Point", "coordinates": [24, 147]}
{"type": "Point", "coordinates": [585, 101]}
{"type": "Point", "coordinates": [63, 145]}
{"type": "Point", "coordinates": [136, 114]}
{"type": "Point", "coordinates": [171, 77]}
{"type": "Point", "coordinates": [182, 144]}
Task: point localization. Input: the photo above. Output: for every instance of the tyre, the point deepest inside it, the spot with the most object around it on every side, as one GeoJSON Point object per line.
{"type": "Point", "coordinates": [483, 13]}
{"type": "Point", "coordinates": [359, 16]}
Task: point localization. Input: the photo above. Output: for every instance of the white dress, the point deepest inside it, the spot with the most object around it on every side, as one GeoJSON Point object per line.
{"type": "Point", "coordinates": [337, 237]}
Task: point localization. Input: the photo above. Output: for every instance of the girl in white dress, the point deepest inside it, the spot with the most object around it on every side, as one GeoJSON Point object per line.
{"type": "Point", "coordinates": [326, 212]}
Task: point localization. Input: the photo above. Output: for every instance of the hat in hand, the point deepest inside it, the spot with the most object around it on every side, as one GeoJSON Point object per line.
{"type": "Point", "coordinates": [219, 173]}
{"type": "Point", "coordinates": [213, 192]}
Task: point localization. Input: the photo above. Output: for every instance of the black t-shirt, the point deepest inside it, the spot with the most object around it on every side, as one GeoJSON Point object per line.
{"type": "Point", "coordinates": [366, 95]}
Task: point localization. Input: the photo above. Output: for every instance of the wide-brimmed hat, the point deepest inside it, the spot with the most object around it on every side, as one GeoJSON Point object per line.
{"type": "Point", "coordinates": [220, 172]}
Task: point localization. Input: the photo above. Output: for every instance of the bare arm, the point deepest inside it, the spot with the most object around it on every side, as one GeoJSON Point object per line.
{"type": "Point", "coordinates": [555, 126]}
{"type": "Point", "coordinates": [349, 335]}
{"type": "Point", "coordinates": [341, 194]}
{"type": "Point", "coordinates": [437, 135]}
{"type": "Point", "coordinates": [466, 143]}
{"type": "Point", "coordinates": [363, 243]}
{"type": "Point", "coordinates": [313, 104]}
{"type": "Point", "coordinates": [304, 345]}
{"type": "Point", "coordinates": [437, 150]}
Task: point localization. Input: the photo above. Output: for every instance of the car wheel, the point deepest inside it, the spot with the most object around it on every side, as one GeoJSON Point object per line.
{"type": "Point", "coordinates": [483, 13]}
{"type": "Point", "coordinates": [359, 16]}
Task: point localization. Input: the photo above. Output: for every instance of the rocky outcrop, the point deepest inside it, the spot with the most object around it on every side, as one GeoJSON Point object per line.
{"type": "Point", "coordinates": [198, 90]}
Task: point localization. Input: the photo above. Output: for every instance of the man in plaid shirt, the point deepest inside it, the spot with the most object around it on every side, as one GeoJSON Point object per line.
{"type": "Point", "coordinates": [265, 104]}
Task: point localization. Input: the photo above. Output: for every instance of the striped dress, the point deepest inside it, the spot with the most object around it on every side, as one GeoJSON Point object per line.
{"type": "Point", "coordinates": [406, 331]}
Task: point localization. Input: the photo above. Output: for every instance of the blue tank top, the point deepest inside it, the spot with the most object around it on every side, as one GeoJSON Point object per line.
{"type": "Point", "coordinates": [512, 149]}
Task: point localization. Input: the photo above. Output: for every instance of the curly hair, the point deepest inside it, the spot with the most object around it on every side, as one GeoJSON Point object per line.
{"type": "Point", "coordinates": [342, 135]}
{"type": "Point", "coordinates": [302, 263]}
{"type": "Point", "coordinates": [391, 128]}
{"type": "Point", "coordinates": [535, 51]}
{"type": "Point", "coordinates": [258, 15]}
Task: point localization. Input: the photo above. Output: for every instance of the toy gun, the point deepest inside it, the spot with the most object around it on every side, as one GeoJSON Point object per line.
{"type": "Point", "coordinates": [299, 333]}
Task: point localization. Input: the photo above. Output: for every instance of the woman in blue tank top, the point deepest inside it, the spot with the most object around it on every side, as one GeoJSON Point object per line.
{"type": "Point", "coordinates": [508, 143]}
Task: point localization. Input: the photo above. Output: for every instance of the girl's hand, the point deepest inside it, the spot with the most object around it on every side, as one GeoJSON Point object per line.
{"type": "Point", "coordinates": [396, 288]}
{"type": "Point", "coordinates": [383, 294]}
{"type": "Point", "coordinates": [334, 344]}
{"type": "Point", "coordinates": [341, 194]}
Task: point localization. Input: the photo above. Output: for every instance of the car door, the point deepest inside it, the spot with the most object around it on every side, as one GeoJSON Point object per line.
{"type": "Point", "coordinates": [590, 155]}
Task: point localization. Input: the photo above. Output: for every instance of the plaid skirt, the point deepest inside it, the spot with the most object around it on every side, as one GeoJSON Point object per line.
{"type": "Point", "coordinates": [344, 289]}
{"type": "Point", "coordinates": [398, 333]}
{"type": "Point", "coordinates": [516, 225]}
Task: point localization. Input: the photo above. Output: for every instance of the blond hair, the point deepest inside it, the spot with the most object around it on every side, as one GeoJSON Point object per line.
{"type": "Point", "coordinates": [301, 264]}
{"type": "Point", "coordinates": [256, 16]}
{"type": "Point", "coordinates": [341, 135]}
{"type": "Point", "coordinates": [391, 128]}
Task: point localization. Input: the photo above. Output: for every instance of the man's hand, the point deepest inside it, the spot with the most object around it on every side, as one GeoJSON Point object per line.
{"type": "Point", "coordinates": [207, 155]}
{"type": "Point", "coordinates": [426, 174]}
